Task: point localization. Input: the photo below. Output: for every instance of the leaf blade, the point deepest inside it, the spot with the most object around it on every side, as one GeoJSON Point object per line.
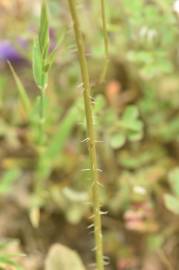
{"type": "Point", "coordinates": [44, 32]}
{"type": "Point", "coordinates": [22, 92]}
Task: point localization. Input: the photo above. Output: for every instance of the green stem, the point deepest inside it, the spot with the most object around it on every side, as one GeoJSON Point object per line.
{"type": "Point", "coordinates": [42, 117]}
{"type": "Point", "coordinates": [106, 42]}
{"type": "Point", "coordinates": [91, 136]}
{"type": "Point", "coordinates": [35, 211]}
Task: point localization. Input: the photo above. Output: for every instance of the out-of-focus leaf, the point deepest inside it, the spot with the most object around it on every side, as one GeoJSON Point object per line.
{"type": "Point", "coordinates": [100, 103]}
{"type": "Point", "coordinates": [131, 112]}
{"type": "Point", "coordinates": [172, 203]}
{"type": "Point", "coordinates": [174, 181]}
{"type": "Point", "coordinates": [59, 139]}
{"type": "Point", "coordinates": [22, 92]}
{"type": "Point", "coordinates": [36, 108]}
{"type": "Point", "coordinates": [63, 258]}
{"type": "Point", "coordinates": [155, 242]}
{"type": "Point", "coordinates": [7, 180]}
{"type": "Point", "coordinates": [135, 136]}
{"type": "Point", "coordinates": [75, 213]}
{"type": "Point", "coordinates": [117, 140]}
{"type": "Point", "coordinates": [52, 54]}
{"type": "Point", "coordinates": [75, 196]}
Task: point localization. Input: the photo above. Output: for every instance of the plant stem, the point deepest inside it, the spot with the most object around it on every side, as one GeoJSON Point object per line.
{"type": "Point", "coordinates": [91, 136]}
{"type": "Point", "coordinates": [106, 43]}
{"type": "Point", "coordinates": [42, 117]}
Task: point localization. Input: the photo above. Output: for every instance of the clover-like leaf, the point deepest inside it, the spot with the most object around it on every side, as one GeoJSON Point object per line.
{"type": "Point", "coordinates": [135, 136]}
{"type": "Point", "coordinates": [131, 125]}
{"type": "Point", "coordinates": [130, 113]}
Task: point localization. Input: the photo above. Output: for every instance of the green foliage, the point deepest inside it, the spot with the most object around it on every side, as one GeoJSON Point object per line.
{"type": "Point", "coordinates": [40, 50]}
{"type": "Point", "coordinates": [174, 181]}
{"type": "Point", "coordinates": [172, 201]}
{"type": "Point", "coordinates": [39, 64]}
{"type": "Point", "coordinates": [8, 260]}
{"type": "Point", "coordinates": [21, 90]}
{"type": "Point", "coordinates": [138, 121]}
{"type": "Point", "coordinates": [128, 127]}
{"type": "Point", "coordinates": [7, 180]}
{"type": "Point", "coordinates": [44, 30]}
{"type": "Point", "coordinates": [55, 147]}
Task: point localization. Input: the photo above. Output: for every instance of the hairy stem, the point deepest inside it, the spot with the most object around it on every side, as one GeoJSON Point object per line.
{"type": "Point", "coordinates": [91, 136]}
{"type": "Point", "coordinates": [106, 43]}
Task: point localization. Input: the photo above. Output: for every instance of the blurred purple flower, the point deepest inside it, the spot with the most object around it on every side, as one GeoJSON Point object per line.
{"type": "Point", "coordinates": [9, 52]}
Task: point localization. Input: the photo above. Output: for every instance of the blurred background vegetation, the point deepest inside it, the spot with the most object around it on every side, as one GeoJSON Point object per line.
{"type": "Point", "coordinates": [137, 118]}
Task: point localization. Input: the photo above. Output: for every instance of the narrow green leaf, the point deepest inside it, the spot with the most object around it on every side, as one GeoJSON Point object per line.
{"type": "Point", "coordinates": [40, 76]}
{"type": "Point", "coordinates": [22, 92]}
{"type": "Point", "coordinates": [44, 31]}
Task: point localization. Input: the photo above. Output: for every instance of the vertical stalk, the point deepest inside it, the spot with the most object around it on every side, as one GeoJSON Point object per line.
{"type": "Point", "coordinates": [41, 140]}
{"type": "Point", "coordinates": [42, 117]}
{"type": "Point", "coordinates": [91, 136]}
{"type": "Point", "coordinates": [106, 43]}
{"type": "Point", "coordinates": [35, 211]}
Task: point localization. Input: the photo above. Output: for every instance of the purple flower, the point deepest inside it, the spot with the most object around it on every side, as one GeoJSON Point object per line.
{"type": "Point", "coordinates": [9, 52]}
